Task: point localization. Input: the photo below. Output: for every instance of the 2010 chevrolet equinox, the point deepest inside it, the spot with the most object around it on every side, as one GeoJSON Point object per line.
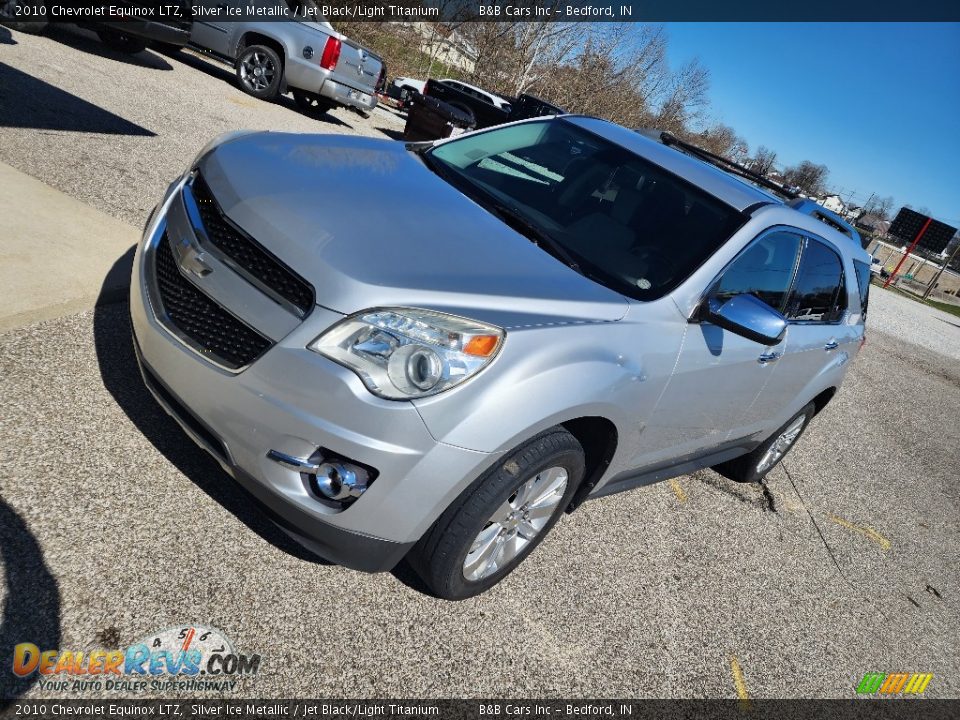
{"type": "Point", "coordinates": [571, 310]}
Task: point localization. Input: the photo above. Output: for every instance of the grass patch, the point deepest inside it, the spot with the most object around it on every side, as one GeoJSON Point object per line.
{"type": "Point", "coordinates": [952, 309]}
{"type": "Point", "coordinates": [945, 307]}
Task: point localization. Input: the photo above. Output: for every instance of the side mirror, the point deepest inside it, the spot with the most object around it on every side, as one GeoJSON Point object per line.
{"type": "Point", "coordinates": [747, 316]}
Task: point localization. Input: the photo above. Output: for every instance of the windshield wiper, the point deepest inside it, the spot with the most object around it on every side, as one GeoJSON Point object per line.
{"type": "Point", "coordinates": [542, 239]}
{"type": "Point", "coordinates": [510, 215]}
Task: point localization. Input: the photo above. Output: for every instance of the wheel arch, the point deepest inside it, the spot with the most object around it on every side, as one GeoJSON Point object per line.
{"type": "Point", "coordinates": [598, 436]}
{"type": "Point", "coordinates": [256, 38]}
{"type": "Point", "coordinates": [822, 398]}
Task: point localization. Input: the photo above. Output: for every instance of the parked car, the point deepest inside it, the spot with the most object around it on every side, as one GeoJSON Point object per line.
{"type": "Point", "coordinates": [129, 35]}
{"type": "Point", "coordinates": [876, 267]}
{"type": "Point", "coordinates": [575, 310]}
{"type": "Point", "coordinates": [478, 108]}
{"type": "Point", "coordinates": [319, 66]}
{"type": "Point", "coordinates": [404, 88]}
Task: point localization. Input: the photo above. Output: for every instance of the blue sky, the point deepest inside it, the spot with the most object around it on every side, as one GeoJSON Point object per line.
{"type": "Point", "coordinates": [879, 104]}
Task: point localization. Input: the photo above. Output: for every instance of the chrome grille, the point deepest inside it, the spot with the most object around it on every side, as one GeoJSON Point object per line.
{"type": "Point", "coordinates": [208, 327]}
{"type": "Point", "coordinates": [247, 253]}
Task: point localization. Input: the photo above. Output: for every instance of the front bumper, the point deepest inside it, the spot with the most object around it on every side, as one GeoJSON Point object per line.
{"type": "Point", "coordinates": [295, 401]}
{"type": "Point", "coordinates": [352, 550]}
{"type": "Point", "coordinates": [345, 95]}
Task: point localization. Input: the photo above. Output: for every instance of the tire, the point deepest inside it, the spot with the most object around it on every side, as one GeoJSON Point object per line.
{"type": "Point", "coordinates": [755, 465]}
{"type": "Point", "coordinates": [528, 477]}
{"type": "Point", "coordinates": [8, 10]}
{"type": "Point", "coordinates": [312, 104]}
{"type": "Point", "coordinates": [122, 42]}
{"type": "Point", "coordinates": [264, 85]}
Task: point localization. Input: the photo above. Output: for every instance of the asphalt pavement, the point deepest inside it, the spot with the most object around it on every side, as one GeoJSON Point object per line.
{"type": "Point", "coordinates": [113, 525]}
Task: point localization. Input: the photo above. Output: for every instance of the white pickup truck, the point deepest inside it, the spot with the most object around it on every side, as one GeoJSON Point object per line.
{"type": "Point", "coordinates": [307, 57]}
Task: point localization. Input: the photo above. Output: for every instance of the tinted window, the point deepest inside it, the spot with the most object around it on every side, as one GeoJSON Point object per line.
{"type": "Point", "coordinates": [629, 224]}
{"type": "Point", "coordinates": [816, 295]}
{"type": "Point", "coordinates": [863, 281]}
{"type": "Point", "coordinates": [763, 270]}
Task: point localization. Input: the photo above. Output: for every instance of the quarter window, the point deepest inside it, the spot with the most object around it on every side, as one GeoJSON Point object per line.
{"type": "Point", "coordinates": [764, 270]}
{"type": "Point", "coordinates": [817, 295]}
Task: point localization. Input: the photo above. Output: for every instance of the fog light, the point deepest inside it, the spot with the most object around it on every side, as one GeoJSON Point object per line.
{"type": "Point", "coordinates": [341, 481]}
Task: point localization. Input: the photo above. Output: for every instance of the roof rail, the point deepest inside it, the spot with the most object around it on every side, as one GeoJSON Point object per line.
{"type": "Point", "coordinates": [719, 161]}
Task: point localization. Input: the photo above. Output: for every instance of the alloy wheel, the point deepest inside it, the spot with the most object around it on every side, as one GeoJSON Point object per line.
{"type": "Point", "coordinates": [515, 523]}
{"type": "Point", "coordinates": [780, 446]}
{"type": "Point", "coordinates": [257, 71]}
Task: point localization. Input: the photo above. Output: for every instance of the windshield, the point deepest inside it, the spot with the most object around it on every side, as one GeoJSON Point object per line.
{"type": "Point", "coordinates": [628, 223]}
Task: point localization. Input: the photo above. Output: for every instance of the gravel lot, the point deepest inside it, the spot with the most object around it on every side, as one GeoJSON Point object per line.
{"type": "Point", "coordinates": [113, 525]}
{"type": "Point", "coordinates": [115, 130]}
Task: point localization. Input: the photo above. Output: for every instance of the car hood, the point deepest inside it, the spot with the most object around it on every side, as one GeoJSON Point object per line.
{"type": "Point", "coordinates": [368, 225]}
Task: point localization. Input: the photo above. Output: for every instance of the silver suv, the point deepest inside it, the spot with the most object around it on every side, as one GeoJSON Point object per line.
{"type": "Point", "coordinates": [574, 310]}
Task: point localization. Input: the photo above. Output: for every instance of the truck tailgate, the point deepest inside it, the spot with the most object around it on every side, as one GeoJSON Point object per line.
{"type": "Point", "coordinates": [357, 67]}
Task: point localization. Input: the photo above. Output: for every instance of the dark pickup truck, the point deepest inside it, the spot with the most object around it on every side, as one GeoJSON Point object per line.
{"type": "Point", "coordinates": [465, 107]}
{"type": "Point", "coordinates": [167, 22]}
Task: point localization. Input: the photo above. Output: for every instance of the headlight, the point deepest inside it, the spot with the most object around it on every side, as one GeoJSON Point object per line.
{"type": "Point", "coordinates": [402, 354]}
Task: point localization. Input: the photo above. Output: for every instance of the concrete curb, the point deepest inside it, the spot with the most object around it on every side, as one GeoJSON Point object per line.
{"type": "Point", "coordinates": [58, 256]}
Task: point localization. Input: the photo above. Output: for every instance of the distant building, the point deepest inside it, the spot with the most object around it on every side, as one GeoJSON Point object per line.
{"type": "Point", "coordinates": [448, 46]}
{"type": "Point", "coordinates": [834, 203]}
{"type": "Point", "coordinates": [854, 213]}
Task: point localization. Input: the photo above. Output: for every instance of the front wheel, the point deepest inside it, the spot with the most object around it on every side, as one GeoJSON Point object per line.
{"type": "Point", "coordinates": [501, 518]}
{"type": "Point", "coordinates": [122, 42]}
{"type": "Point", "coordinates": [754, 466]}
{"type": "Point", "coordinates": [260, 72]}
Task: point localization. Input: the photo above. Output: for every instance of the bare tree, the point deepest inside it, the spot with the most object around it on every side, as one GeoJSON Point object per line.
{"type": "Point", "coordinates": [764, 161]}
{"type": "Point", "coordinates": [879, 207]}
{"type": "Point", "coordinates": [807, 176]}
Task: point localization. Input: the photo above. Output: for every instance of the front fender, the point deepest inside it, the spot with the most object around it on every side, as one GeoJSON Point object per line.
{"type": "Point", "coordinates": [548, 375]}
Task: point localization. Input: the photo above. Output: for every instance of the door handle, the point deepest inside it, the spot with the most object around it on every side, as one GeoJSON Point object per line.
{"type": "Point", "coordinates": [768, 357]}
{"type": "Point", "coordinates": [831, 345]}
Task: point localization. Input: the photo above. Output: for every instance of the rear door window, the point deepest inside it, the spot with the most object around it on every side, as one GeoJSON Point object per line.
{"type": "Point", "coordinates": [817, 294]}
{"type": "Point", "coordinates": [863, 281]}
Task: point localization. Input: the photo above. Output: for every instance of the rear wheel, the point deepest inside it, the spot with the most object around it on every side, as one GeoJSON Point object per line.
{"type": "Point", "coordinates": [501, 518]}
{"type": "Point", "coordinates": [13, 18]}
{"type": "Point", "coordinates": [754, 466]}
{"type": "Point", "coordinates": [121, 41]}
{"type": "Point", "coordinates": [311, 103]}
{"type": "Point", "coordinates": [260, 72]}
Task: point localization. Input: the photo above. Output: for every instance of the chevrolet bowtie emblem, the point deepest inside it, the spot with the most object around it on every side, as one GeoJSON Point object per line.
{"type": "Point", "coordinates": [191, 257]}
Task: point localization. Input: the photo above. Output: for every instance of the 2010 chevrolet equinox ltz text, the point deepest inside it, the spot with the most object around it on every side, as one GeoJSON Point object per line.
{"type": "Point", "coordinates": [575, 309]}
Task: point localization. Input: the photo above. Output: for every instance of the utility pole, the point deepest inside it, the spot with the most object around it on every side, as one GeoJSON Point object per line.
{"type": "Point", "coordinates": [936, 277]}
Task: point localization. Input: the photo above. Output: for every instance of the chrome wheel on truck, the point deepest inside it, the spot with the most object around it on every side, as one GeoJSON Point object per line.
{"type": "Point", "coordinates": [260, 70]}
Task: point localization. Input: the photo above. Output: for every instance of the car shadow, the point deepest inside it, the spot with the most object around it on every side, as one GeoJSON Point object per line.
{"type": "Point", "coordinates": [88, 42]}
{"type": "Point", "coordinates": [392, 134]}
{"type": "Point", "coordinates": [31, 611]}
{"type": "Point", "coordinates": [28, 102]}
{"type": "Point", "coordinates": [121, 377]}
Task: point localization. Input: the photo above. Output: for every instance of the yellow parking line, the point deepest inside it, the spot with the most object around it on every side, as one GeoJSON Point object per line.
{"type": "Point", "coordinates": [869, 532]}
{"type": "Point", "coordinates": [678, 491]}
{"type": "Point", "coordinates": [738, 681]}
